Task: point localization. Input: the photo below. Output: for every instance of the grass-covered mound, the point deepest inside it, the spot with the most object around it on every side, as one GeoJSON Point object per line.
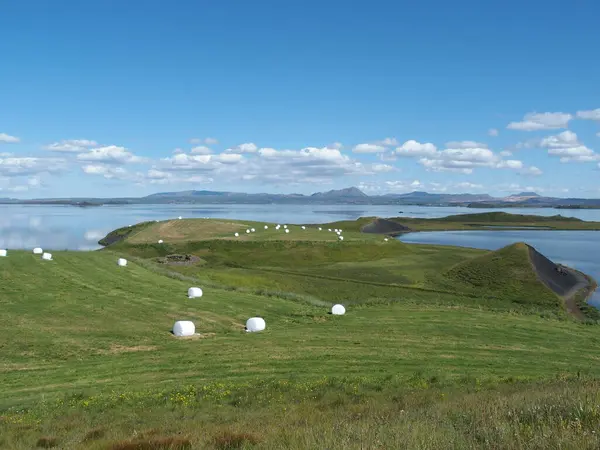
{"type": "Point", "coordinates": [508, 273]}
{"type": "Point", "coordinates": [499, 216]}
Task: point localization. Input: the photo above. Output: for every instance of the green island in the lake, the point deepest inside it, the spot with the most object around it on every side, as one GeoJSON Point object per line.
{"type": "Point", "coordinates": [439, 348]}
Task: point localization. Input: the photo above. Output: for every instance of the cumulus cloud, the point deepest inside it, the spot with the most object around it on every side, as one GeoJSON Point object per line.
{"type": "Point", "coordinates": [248, 147]}
{"type": "Point", "coordinates": [541, 121]}
{"type": "Point", "coordinates": [567, 146]}
{"type": "Point", "coordinates": [414, 148]}
{"type": "Point", "coordinates": [382, 168]}
{"type": "Point", "coordinates": [11, 166]}
{"type": "Point", "coordinates": [493, 132]}
{"type": "Point", "coordinates": [369, 148]}
{"type": "Point", "coordinates": [71, 145]}
{"type": "Point", "coordinates": [200, 150]}
{"type": "Point", "coordinates": [593, 114]}
{"type": "Point", "coordinates": [8, 139]}
{"type": "Point", "coordinates": [387, 142]}
{"type": "Point", "coordinates": [154, 176]}
{"type": "Point", "coordinates": [108, 172]}
{"type": "Point", "coordinates": [111, 154]}
{"type": "Point", "coordinates": [465, 144]}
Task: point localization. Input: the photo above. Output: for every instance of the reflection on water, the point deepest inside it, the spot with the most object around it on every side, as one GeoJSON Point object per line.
{"type": "Point", "coordinates": [577, 249]}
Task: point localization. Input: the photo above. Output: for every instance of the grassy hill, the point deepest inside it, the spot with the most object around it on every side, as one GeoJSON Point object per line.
{"type": "Point", "coordinates": [435, 348]}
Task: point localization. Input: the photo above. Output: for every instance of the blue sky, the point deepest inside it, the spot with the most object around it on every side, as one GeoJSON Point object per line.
{"type": "Point", "coordinates": [118, 98]}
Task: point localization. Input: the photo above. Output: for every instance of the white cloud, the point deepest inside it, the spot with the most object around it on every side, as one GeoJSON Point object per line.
{"type": "Point", "coordinates": [467, 185]}
{"type": "Point", "coordinates": [369, 148]}
{"type": "Point", "coordinates": [505, 153]}
{"type": "Point", "coordinates": [531, 170]}
{"type": "Point", "coordinates": [593, 114]}
{"type": "Point", "coordinates": [201, 150]}
{"type": "Point", "coordinates": [106, 171]}
{"type": "Point", "coordinates": [154, 176]}
{"type": "Point", "coordinates": [493, 132]}
{"type": "Point", "coordinates": [414, 148]}
{"type": "Point", "coordinates": [567, 146]}
{"type": "Point", "coordinates": [111, 154]}
{"type": "Point", "coordinates": [24, 166]}
{"type": "Point", "coordinates": [336, 145]}
{"type": "Point", "coordinates": [382, 168]}
{"type": "Point", "coordinates": [541, 121]}
{"type": "Point", "coordinates": [71, 145]}
{"type": "Point", "coordinates": [206, 141]}
{"type": "Point", "coordinates": [465, 144]}
{"type": "Point", "coordinates": [387, 142]}
{"type": "Point", "coordinates": [248, 147]}
{"type": "Point", "coordinates": [8, 139]}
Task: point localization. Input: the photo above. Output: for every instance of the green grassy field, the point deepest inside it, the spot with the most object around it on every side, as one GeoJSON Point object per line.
{"type": "Point", "coordinates": [436, 350]}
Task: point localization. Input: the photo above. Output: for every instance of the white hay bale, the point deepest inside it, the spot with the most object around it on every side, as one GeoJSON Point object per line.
{"type": "Point", "coordinates": [328, 229]}
{"type": "Point", "coordinates": [160, 241]}
{"type": "Point", "coordinates": [180, 217]}
{"type": "Point", "coordinates": [320, 229]}
{"type": "Point", "coordinates": [285, 226]}
{"type": "Point", "coordinates": [338, 310]}
{"type": "Point", "coordinates": [287, 231]}
{"type": "Point", "coordinates": [253, 230]}
{"type": "Point", "coordinates": [47, 256]}
{"type": "Point", "coordinates": [248, 230]}
{"type": "Point", "coordinates": [2, 252]}
{"type": "Point", "coordinates": [38, 251]}
{"type": "Point", "coordinates": [386, 239]}
{"type": "Point", "coordinates": [255, 324]}
{"type": "Point", "coordinates": [278, 227]}
{"type": "Point", "coordinates": [341, 238]}
{"type": "Point", "coordinates": [303, 227]}
{"type": "Point", "coordinates": [122, 262]}
{"type": "Point", "coordinates": [194, 292]}
{"type": "Point", "coordinates": [237, 234]}
{"type": "Point", "coordinates": [184, 328]}
{"type": "Point", "coordinates": [266, 227]}
{"type": "Point", "coordinates": [338, 232]}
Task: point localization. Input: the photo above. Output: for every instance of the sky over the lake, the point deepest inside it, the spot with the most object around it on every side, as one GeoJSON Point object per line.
{"type": "Point", "coordinates": [127, 98]}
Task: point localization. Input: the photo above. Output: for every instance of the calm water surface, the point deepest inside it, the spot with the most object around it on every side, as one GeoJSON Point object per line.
{"type": "Point", "coordinates": [74, 228]}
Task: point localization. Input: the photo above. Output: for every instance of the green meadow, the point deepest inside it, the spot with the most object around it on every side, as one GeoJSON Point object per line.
{"type": "Point", "coordinates": [440, 347]}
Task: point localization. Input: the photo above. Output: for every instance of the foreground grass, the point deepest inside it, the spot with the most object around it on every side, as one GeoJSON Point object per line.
{"type": "Point", "coordinates": [421, 413]}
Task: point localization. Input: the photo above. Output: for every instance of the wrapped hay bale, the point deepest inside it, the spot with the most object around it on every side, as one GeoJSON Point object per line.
{"type": "Point", "coordinates": [287, 231]}
{"type": "Point", "coordinates": [341, 238]}
{"type": "Point", "coordinates": [122, 262]}
{"type": "Point", "coordinates": [184, 328]}
{"type": "Point", "coordinates": [266, 227]}
{"type": "Point", "coordinates": [253, 230]}
{"type": "Point", "coordinates": [160, 241]}
{"type": "Point", "coordinates": [194, 292]}
{"type": "Point", "coordinates": [338, 310]}
{"type": "Point", "coordinates": [320, 229]}
{"type": "Point", "coordinates": [303, 227]}
{"type": "Point", "coordinates": [47, 256]}
{"type": "Point", "coordinates": [180, 217]}
{"type": "Point", "coordinates": [237, 234]}
{"type": "Point", "coordinates": [255, 324]}
{"type": "Point", "coordinates": [386, 239]}
{"type": "Point", "coordinates": [248, 231]}
{"type": "Point", "coordinates": [2, 252]}
{"type": "Point", "coordinates": [285, 226]}
{"type": "Point", "coordinates": [38, 251]}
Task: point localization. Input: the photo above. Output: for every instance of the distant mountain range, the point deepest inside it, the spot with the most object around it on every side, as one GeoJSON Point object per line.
{"type": "Point", "coordinates": [350, 195]}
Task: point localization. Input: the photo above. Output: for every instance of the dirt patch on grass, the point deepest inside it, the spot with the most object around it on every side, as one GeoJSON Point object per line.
{"type": "Point", "coordinates": [385, 226]}
{"type": "Point", "coordinates": [195, 336]}
{"type": "Point", "coordinates": [179, 260]}
{"type": "Point", "coordinates": [116, 349]}
{"type": "Point", "coordinates": [186, 230]}
{"type": "Point", "coordinates": [167, 443]}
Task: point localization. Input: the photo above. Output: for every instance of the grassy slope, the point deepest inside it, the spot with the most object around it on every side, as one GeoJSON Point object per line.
{"type": "Point", "coordinates": [399, 369]}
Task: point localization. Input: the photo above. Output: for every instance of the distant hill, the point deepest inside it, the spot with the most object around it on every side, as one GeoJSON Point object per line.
{"type": "Point", "coordinates": [351, 195]}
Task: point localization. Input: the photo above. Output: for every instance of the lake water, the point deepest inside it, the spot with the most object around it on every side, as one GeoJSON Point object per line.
{"type": "Point", "coordinates": [75, 228]}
